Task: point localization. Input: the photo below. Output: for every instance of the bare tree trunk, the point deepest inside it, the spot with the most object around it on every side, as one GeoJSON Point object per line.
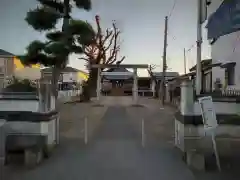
{"type": "Point", "coordinates": [54, 83]}
{"type": "Point", "coordinates": [93, 82]}
{"type": "Point", "coordinates": [89, 89]}
{"type": "Point", "coordinates": [157, 88]}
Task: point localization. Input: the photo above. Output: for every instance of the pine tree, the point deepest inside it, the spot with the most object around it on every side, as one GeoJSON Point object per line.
{"type": "Point", "coordinates": [74, 35]}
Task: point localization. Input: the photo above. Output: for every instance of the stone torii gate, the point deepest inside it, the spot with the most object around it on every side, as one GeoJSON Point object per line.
{"type": "Point", "coordinates": [127, 66]}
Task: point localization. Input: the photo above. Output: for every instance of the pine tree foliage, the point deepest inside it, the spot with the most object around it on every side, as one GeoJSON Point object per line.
{"type": "Point", "coordinates": [60, 43]}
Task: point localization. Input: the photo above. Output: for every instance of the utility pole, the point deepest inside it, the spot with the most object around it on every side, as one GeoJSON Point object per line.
{"type": "Point", "coordinates": [164, 61]}
{"type": "Point", "coordinates": [199, 48]}
{"type": "Point", "coordinates": [185, 68]}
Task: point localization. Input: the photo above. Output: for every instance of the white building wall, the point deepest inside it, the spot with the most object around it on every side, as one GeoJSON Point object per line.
{"type": "Point", "coordinates": [70, 77]}
{"type": "Point", "coordinates": [19, 105]}
{"type": "Point", "coordinates": [225, 49]}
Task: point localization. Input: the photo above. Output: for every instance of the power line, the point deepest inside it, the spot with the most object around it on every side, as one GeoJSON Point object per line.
{"type": "Point", "coordinates": [173, 7]}
{"type": "Point", "coordinates": [171, 11]}
{"type": "Point", "coordinates": [191, 47]}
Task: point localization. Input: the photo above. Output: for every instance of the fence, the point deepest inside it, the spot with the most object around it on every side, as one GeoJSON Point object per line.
{"type": "Point", "coordinates": [228, 94]}
{"type": "Point", "coordinates": [68, 94]}
{"type": "Point", "coordinates": [173, 97]}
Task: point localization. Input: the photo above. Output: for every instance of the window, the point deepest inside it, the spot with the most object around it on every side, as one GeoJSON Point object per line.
{"type": "Point", "coordinates": [230, 76]}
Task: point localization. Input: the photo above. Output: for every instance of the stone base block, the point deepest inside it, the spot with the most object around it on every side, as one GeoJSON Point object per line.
{"type": "Point", "coordinates": [195, 160]}
{"type": "Point", "coordinates": [193, 138]}
{"type": "Point", "coordinates": [33, 157]}
{"type": "Point", "coordinates": [48, 150]}
{"type": "Point", "coordinates": [2, 162]}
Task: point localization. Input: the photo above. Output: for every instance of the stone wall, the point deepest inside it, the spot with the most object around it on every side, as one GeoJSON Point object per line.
{"type": "Point", "coordinates": [190, 135]}
{"type": "Point", "coordinates": [2, 143]}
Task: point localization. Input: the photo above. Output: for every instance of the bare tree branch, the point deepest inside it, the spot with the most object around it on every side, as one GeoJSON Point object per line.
{"type": "Point", "coordinates": [110, 43]}
{"type": "Point", "coordinates": [108, 35]}
{"type": "Point", "coordinates": [105, 50]}
{"type": "Point", "coordinates": [121, 60]}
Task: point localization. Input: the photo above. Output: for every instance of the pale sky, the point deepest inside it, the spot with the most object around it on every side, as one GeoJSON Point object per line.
{"type": "Point", "coordinates": [141, 23]}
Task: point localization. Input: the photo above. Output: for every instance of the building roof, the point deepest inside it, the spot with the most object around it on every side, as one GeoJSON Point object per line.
{"type": "Point", "coordinates": [120, 69]}
{"type": "Point", "coordinates": [66, 69]}
{"type": "Point", "coordinates": [5, 53]}
{"type": "Point", "coordinates": [118, 75]}
{"type": "Point", "coordinates": [204, 63]}
{"type": "Point", "coordinates": [139, 66]}
{"type": "Point", "coordinates": [167, 74]}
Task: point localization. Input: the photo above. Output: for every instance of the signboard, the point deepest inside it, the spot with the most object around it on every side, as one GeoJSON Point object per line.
{"type": "Point", "coordinates": [208, 113]}
{"type": "Point", "coordinates": [210, 122]}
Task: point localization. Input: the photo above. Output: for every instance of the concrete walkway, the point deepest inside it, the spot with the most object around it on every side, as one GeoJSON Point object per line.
{"type": "Point", "coordinates": [117, 154]}
{"type": "Point", "coordinates": [114, 153]}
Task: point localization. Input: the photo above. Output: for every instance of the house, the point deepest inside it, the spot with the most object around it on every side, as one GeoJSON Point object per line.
{"type": "Point", "coordinates": [69, 76]}
{"type": "Point", "coordinates": [6, 66]}
{"type": "Point", "coordinates": [9, 64]}
{"type": "Point", "coordinates": [225, 46]}
{"type": "Point", "coordinates": [207, 75]}
{"type": "Point", "coordinates": [174, 83]}
{"type": "Point", "coordinates": [157, 78]}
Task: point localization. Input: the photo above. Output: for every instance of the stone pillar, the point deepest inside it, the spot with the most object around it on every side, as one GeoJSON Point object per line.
{"type": "Point", "coordinates": [42, 95]}
{"type": "Point", "coordinates": [187, 100]}
{"type": "Point", "coordinates": [2, 143]}
{"type": "Point", "coordinates": [135, 86]}
{"type": "Point", "coordinates": [186, 108]}
{"type": "Point", "coordinates": [99, 85]}
{"type": "Point", "coordinates": [153, 87]}
{"type": "Point", "coordinates": [167, 97]}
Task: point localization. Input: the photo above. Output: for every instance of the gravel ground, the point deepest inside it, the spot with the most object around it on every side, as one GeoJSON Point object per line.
{"type": "Point", "coordinates": [72, 119]}
{"type": "Point", "coordinates": [71, 142]}
{"type": "Point", "coordinates": [158, 121]}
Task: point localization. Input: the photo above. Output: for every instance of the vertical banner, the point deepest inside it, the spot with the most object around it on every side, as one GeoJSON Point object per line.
{"type": "Point", "coordinates": [225, 20]}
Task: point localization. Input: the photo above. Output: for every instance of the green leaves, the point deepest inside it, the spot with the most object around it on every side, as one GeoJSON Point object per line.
{"type": "Point", "coordinates": [57, 49]}
{"type": "Point", "coordinates": [60, 44]}
{"type": "Point", "coordinates": [18, 85]}
{"type": "Point", "coordinates": [55, 36]}
{"type": "Point", "coordinates": [42, 18]}
{"type": "Point", "coordinates": [85, 4]}
{"type": "Point", "coordinates": [54, 4]}
{"type": "Point", "coordinates": [83, 31]}
{"type": "Point", "coordinates": [35, 47]}
{"type": "Point", "coordinates": [80, 27]}
{"type": "Point", "coordinates": [29, 59]}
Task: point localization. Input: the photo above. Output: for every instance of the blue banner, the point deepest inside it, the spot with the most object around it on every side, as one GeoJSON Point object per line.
{"type": "Point", "coordinates": [225, 20]}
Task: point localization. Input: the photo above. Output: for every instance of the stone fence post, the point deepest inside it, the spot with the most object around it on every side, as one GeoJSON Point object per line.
{"type": "Point", "coordinates": [167, 94]}
{"type": "Point", "coordinates": [2, 142]}
{"type": "Point", "coordinates": [187, 100]}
